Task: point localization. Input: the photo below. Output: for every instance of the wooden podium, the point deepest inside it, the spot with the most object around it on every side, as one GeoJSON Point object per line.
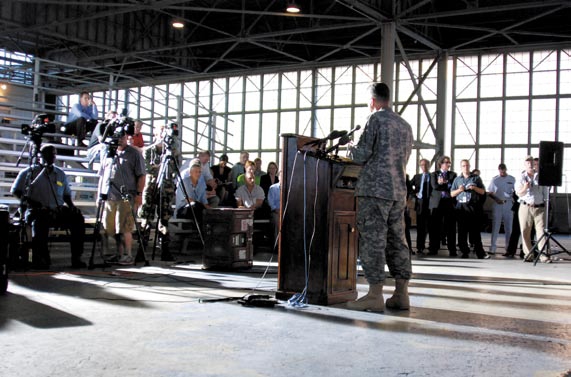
{"type": "Point", "coordinates": [318, 231]}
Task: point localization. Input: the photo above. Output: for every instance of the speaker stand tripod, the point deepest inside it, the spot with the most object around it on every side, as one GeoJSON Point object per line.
{"type": "Point", "coordinates": [546, 237]}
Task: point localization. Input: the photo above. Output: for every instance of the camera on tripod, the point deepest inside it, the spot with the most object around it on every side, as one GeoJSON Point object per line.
{"type": "Point", "coordinates": [40, 125]}
{"type": "Point", "coordinates": [169, 134]}
{"type": "Point", "coordinates": [115, 130]}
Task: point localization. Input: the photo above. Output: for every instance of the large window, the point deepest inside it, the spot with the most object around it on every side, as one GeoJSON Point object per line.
{"type": "Point", "coordinates": [500, 107]}
{"type": "Point", "coordinates": [505, 104]}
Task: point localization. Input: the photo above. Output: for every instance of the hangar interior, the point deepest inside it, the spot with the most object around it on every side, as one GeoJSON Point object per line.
{"type": "Point", "coordinates": [476, 79]}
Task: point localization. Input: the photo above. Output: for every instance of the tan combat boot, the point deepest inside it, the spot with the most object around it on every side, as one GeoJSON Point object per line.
{"type": "Point", "coordinates": [372, 301]}
{"type": "Point", "coordinates": [400, 298]}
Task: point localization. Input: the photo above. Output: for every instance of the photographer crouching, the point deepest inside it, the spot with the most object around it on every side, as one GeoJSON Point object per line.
{"type": "Point", "coordinates": [43, 189]}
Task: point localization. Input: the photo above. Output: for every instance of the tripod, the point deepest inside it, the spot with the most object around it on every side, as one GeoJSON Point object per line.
{"type": "Point", "coordinates": [546, 237]}
{"type": "Point", "coordinates": [126, 197]}
{"type": "Point", "coordinates": [164, 175]}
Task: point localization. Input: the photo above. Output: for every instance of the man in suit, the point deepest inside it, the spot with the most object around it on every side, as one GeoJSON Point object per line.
{"type": "Point", "coordinates": [422, 191]}
{"type": "Point", "coordinates": [442, 207]}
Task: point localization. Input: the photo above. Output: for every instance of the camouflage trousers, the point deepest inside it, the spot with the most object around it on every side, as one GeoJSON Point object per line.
{"type": "Point", "coordinates": [381, 239]}
{"type": "Point", "coordinates": [153, 198]}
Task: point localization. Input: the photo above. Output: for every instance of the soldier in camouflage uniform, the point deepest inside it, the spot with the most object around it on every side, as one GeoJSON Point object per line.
{"type": "Point", "coordinates": [384, 149]}
{"type": "Point", "coordinates": [159, 199]}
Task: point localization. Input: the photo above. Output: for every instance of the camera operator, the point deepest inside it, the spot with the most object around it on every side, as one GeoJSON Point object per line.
{"type": "Point", "coordinates": [82, 118]}
{"type": "Point", "coordinates": [44, 189]}
{"type": "Point", "coordinates": [121, 184]}
{"type": "Point", "coordinates": [162, 197]}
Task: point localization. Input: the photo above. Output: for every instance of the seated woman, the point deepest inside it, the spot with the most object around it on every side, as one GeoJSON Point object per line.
{"type": "Point", "coordinates": [270, 178]}
{"type": "Point", "coordinates": [250, 195]}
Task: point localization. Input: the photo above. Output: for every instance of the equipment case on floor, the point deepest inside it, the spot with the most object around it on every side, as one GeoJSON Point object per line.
{"type": "Point", "coordinates": [228, 238]}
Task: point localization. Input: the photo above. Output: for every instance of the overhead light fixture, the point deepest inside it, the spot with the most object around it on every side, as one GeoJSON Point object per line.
{"type": "Point", "coordinates": [292, 7]}
{"type": "Point", "coordinates": [3, 87]}
{"type": "Point", "coordinates": [177, 24]}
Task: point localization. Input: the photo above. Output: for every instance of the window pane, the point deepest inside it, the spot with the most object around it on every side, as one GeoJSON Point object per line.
{"type": "Point", "coordinates": [269, 131]}
{"type": "Point", "coordinates": [323, 118]}
{"type": "Point", "coordinates": [251, 131]}
{"type": "Point", "coordinates": [489, 159]}
{"type": "Point", "coordinates": [542, 120]}
{"type": "Point", "coordinates": [490, 122]}
{"type": "Point", "coordinates": [305, 90]}
{"type": "Point", "coordinates": [324, 85]}
{"type": "Point", "coordinates": [253, 90]}
{"type": "Point", "coordinates": [287, 123]}
{"type": "Point", "coordinates": [289, 90]}
{"type": "Point", "coordinates": [564, 120]}
{"type": "Point", "coordinates": [465, 126]}
{"type": "Point", "coordinates": [517, 113]}
{"type": "Point", "coordinates": [517, 84]}
{"type": "Point", "coordinates": [342, 119]}
{"type": "Point", "coordinates": [235, 92]}
{"type": "Point", "coordinates": [235, 128]}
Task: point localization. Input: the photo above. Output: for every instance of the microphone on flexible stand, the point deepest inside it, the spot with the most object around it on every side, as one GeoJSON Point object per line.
{"type": "Point", "coordinates": [332, 136]}
{"type": "Point", "coordinates": [343, 140]}
{"type": "Point", "coordinates": [357, 128]}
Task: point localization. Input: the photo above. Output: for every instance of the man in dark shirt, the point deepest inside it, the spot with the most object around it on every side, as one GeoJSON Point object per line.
{"type": "Point", "coordinates": [45, 190]}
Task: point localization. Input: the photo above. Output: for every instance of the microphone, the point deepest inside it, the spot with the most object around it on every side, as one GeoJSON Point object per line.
{"type": "Point", "coordinates": [335, 135]}
{"type": "Point", "coordinates": [357, 128]}
{"type": "Point", "coordinates": [332, 136]}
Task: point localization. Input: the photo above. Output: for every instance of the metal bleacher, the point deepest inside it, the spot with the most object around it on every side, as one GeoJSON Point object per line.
{"type": "Point", "coordinates": [82, 178]}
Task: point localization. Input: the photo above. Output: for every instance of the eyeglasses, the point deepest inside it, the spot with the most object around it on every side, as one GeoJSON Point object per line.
{"type": "Point", "coordinates": [446, 162]}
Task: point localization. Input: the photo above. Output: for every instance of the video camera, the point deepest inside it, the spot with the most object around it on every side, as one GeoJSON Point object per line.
{"type": "Point", "coordinates": [40, 125]}
{"type": "Point", "coordinates": [169, 133]}
{"type": "Point", "coordinates": [115, 129]}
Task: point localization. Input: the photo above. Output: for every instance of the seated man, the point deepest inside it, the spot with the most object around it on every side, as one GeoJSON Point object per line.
{"type": "Point", "coordinates": [82, 118]}
{"type": "Point", "coordinates": [191, 193]}
{"type": "Point", "coordinates": [44, 189]}
{"type": "Point", "coordinates": [274, 202]}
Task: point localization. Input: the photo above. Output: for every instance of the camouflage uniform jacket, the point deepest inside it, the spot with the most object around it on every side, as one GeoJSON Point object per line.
{"type": "Point", "coordinates": [384, 149]}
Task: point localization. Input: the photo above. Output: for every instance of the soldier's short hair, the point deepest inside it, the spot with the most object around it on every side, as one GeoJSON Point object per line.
{"type": "Point", "coordinates": [380, 91]}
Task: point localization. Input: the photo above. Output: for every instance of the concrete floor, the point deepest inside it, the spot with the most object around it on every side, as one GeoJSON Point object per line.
{"type": "Point", "coordinates": [473, 317]}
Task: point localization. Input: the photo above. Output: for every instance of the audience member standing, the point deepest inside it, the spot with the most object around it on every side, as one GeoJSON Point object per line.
{"type": "Point", "coordinates": [500, 190]}
{"type": "Point", "coordinates": [442, 207]}
{"type": "Point", "coordinates": [422, 190]}
{"type": "Point", "coordinates": [137, 141]}
{"type": "Point", "coordinates": [468, 190]}
{"type": "Point", "coordinates": [238, 169]}
{"type": "Point", "coordinates": [532, 208]}
{"type": "Point", "coordinates": [259, 172]}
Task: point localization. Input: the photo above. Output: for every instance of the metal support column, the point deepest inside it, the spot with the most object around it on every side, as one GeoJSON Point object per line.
{"type": "Point", "coordinates": [39, 97]}
{"type": "Point", "coordinates": [388, 55]}
{"type": "Point", "coordinates": [441, 91]}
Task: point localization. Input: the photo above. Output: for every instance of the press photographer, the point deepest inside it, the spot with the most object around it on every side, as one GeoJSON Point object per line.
{"type": "Point", "coordinates": [43, 190]}
{"type": "Point", "coordinates": [121, 184]}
